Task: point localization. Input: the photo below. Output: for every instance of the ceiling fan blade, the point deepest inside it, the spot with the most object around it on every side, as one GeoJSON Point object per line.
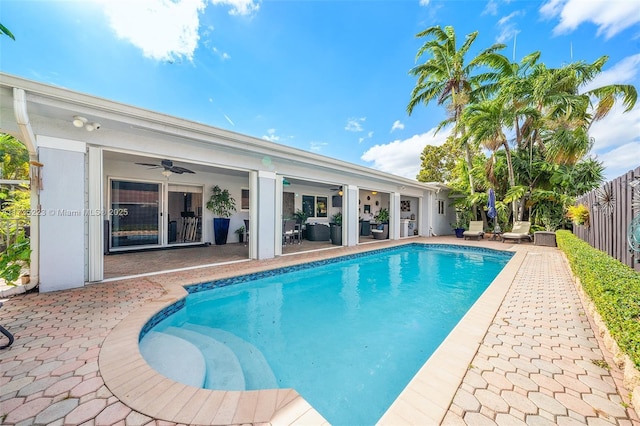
{"type": "Point", "coordinates": [154, 166]}
{"type": "Point", "coordinates": [179, 170]}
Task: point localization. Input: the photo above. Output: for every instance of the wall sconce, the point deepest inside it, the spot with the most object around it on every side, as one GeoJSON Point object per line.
{"type": "Point", "coordinates": [79, 121]}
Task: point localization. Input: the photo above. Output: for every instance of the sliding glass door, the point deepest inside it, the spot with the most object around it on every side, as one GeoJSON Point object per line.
{"type": "Point", "coordinates": [135, 214]}
{"type": "Point", "coordinates": [184, 214]}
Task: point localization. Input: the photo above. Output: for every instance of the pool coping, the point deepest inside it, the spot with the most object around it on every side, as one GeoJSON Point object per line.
{"type": "Point", "coordinates": [425, 398]}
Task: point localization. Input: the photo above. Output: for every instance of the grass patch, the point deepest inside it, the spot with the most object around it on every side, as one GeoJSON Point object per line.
{"type": "Point", "coordinates": [613, 287]}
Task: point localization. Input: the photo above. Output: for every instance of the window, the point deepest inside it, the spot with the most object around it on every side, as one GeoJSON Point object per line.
{"type": "Point", "coordinates": [309, 205]}
{"type": "Point", "coordinates": [244, 199]}
{"type": "Point", "coordinates": [315, 206]}
{"type": "Point", "coordinates": [440, 206]}
{"type": "Point", "coordinates": [321, 206]}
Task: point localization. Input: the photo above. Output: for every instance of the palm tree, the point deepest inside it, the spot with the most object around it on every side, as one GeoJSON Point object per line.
{"type": "Point", "coordinates": [568, 114]}
{"type": "Point", "coordinates": [487, 121]}
{"type": "Point", "coordinates": [445, 77]}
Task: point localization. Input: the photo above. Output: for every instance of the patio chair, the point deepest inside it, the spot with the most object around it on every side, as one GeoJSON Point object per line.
{"type": "Point", "coordinates": [290, 231]}
{"type": "Point", "coordinates": [519, 232]}
{"type": "Point", "coordinates": [381, 232]}
{"type": "Point", "coordinates": [476, 230]}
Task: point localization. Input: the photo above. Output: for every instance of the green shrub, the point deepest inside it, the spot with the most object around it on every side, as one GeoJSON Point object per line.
{"type": "Point", "coordinates": [613, 287]}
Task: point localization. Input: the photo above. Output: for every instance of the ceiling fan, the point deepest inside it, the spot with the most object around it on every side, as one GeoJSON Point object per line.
{"type": "Point", "coordinates": [168, 166]}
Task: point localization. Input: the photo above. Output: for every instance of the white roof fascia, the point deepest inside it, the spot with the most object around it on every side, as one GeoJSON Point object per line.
{"type": "Point", "coordinates": [191, 130]}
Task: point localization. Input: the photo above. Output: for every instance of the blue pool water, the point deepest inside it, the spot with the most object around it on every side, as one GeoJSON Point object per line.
{"type": "Point", "coordinates": [347, 335]}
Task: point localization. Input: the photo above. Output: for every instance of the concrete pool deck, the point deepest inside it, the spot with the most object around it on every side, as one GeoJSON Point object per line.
{"type": "Point", "coordinates": [524, 354]}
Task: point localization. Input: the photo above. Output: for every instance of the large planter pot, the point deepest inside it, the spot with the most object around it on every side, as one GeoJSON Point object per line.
{"type": "Point", "coordinates": [336, 234]}
{"type": "Point", "coordinates": [459, 232]}
{"type": "Point", "coordinates": [221, 230]}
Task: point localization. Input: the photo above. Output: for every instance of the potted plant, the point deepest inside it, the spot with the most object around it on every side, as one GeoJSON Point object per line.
{"type": "Point", "coordinates": [240, 232]}
{"type": "Point", "coordinates": [336, 229]}
{"type": "Point", "coordinates": [16, 257]}
{"type": "Point", "coordinates": [459, 225]}
{"type": "Point", "coordinates": [301, 216]}
{"type": "Point", "coordinates": [382, 216]}
{"type": "Point", "coordinates": [223, 205]}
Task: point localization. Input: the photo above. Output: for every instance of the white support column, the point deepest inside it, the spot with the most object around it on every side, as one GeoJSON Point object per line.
{"type": "Point", "coordinates": [420, 216]}
{"type": "Point", "coordinates": [268, 223]}
{"type": "Point", "coordinates": [62, 224]}
{"type": "Point", "coordinates": [253, 214]}
{"type": "Point", "coordinates": [96, 215]}
{"type": "Point", "coordinates": [277, 247]}
{"type": "Point", "coordinates": [394, 223]}
{"type": "Point", "coordinates": [350, 215]}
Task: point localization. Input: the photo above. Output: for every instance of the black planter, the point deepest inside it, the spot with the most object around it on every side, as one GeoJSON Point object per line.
{"type": "Point", "coordinates": [336, 234]}
{"type": "Point", "coordinates": [221, 230]}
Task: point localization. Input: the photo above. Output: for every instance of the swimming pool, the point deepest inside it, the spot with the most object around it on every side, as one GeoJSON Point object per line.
{"type": "Point", "coordinates": [372, 322]}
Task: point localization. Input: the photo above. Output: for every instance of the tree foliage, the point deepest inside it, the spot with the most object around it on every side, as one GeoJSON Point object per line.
{"type": "Point", "coordinates": [437, 163]}
{"type": "Point", "coordinates": [533, 121]}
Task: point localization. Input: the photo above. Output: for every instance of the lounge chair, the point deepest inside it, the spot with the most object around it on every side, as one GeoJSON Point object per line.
{"type": "Point", "coordinates": [381, 232]}
{"type": "Point", "coordinates": [519, 232]}
{"type": "Point", "coordinates": [476, 230]}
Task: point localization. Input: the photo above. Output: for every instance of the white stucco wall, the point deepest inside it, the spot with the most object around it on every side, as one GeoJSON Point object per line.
{"type": "Point", "coordinates": [62, 222]}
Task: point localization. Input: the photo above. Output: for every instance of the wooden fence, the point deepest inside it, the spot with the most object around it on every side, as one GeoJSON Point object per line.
{"type": "Point", "coordinates": [609, 224]}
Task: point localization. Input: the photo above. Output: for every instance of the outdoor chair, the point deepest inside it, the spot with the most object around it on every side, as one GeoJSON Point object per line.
{"type": "Point", "coordinates": [381, 232]}
{"type": "Point", "coordinates": [476, 230]}
{"type": "Point", "coordinates": [7, 334]}
{"type": "Point", "coordinates": [318, 232]}
{"type": "Point", "coordinates": [519, 232]}
{"type": "Point", "coordinates": [290, 231]}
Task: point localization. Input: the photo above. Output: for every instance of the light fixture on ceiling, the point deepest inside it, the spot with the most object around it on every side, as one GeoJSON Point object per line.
{"type": "Point", "coordinates": [374, 192]}
{"type": "Point", "coordinates": [79, 121]}
{"type": "Point", "coordinates": [166, 173]}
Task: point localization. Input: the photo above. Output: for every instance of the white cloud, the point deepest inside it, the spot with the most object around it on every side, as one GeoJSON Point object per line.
{"type": "Point", "coordinates": [240, 7]}
{"type": "Point", "coordinates": [620, 160]}
{"type": "Point", "coordinates": [507, 27]}
{"type": "Point", "coordinates": [616, 129]}
{"type": "Point", "coordinates": [610, 17]}
{"type": "Point", "coordinates": [491, 8]}
{"type": "Point", "coordinates": [402, 157]}
{"type": "Point", "coordinates": [162, 29]}
{"type": "Point", "coordinates": [424, 2]}
{"type": "Point", "coordinates": [229, 120]}
{"type": "Point", "coordinates": [271, 136]}
{"type": "Point", "coordinates": [623, 72]}
{"type": "Point", "coordinates": [355, 124]}
{"type": "Point", "coordinates": [397, 125]}
{"type": "Point", "coordinates": [317, 146]}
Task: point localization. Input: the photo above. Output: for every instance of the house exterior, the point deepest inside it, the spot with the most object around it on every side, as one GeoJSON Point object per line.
{"type": "Point", "coordinates": [111, 177]}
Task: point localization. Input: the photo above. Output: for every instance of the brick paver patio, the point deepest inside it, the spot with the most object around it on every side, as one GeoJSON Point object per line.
{"type": "Point", "coordinates": [539, 363]}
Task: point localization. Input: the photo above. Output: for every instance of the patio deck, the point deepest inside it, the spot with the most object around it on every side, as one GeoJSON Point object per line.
{"type": "Point", "coordinates": [524, 354]}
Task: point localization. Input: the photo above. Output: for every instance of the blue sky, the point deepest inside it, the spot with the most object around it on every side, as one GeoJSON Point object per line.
{"type": "Point", "coordinates": [324, 76]}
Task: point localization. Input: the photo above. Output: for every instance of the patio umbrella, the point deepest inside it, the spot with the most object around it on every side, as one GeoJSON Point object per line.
{"type": "Point", "coordinates": [491, 209]}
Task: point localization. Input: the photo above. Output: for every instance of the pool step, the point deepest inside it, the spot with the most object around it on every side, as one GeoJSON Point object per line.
{"type": "Point", "coordinates": [174, 358]}
{"type": "Point", "coordinates": [257, 372]}
{"type": "Point", "coordinates": [223, 370]}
